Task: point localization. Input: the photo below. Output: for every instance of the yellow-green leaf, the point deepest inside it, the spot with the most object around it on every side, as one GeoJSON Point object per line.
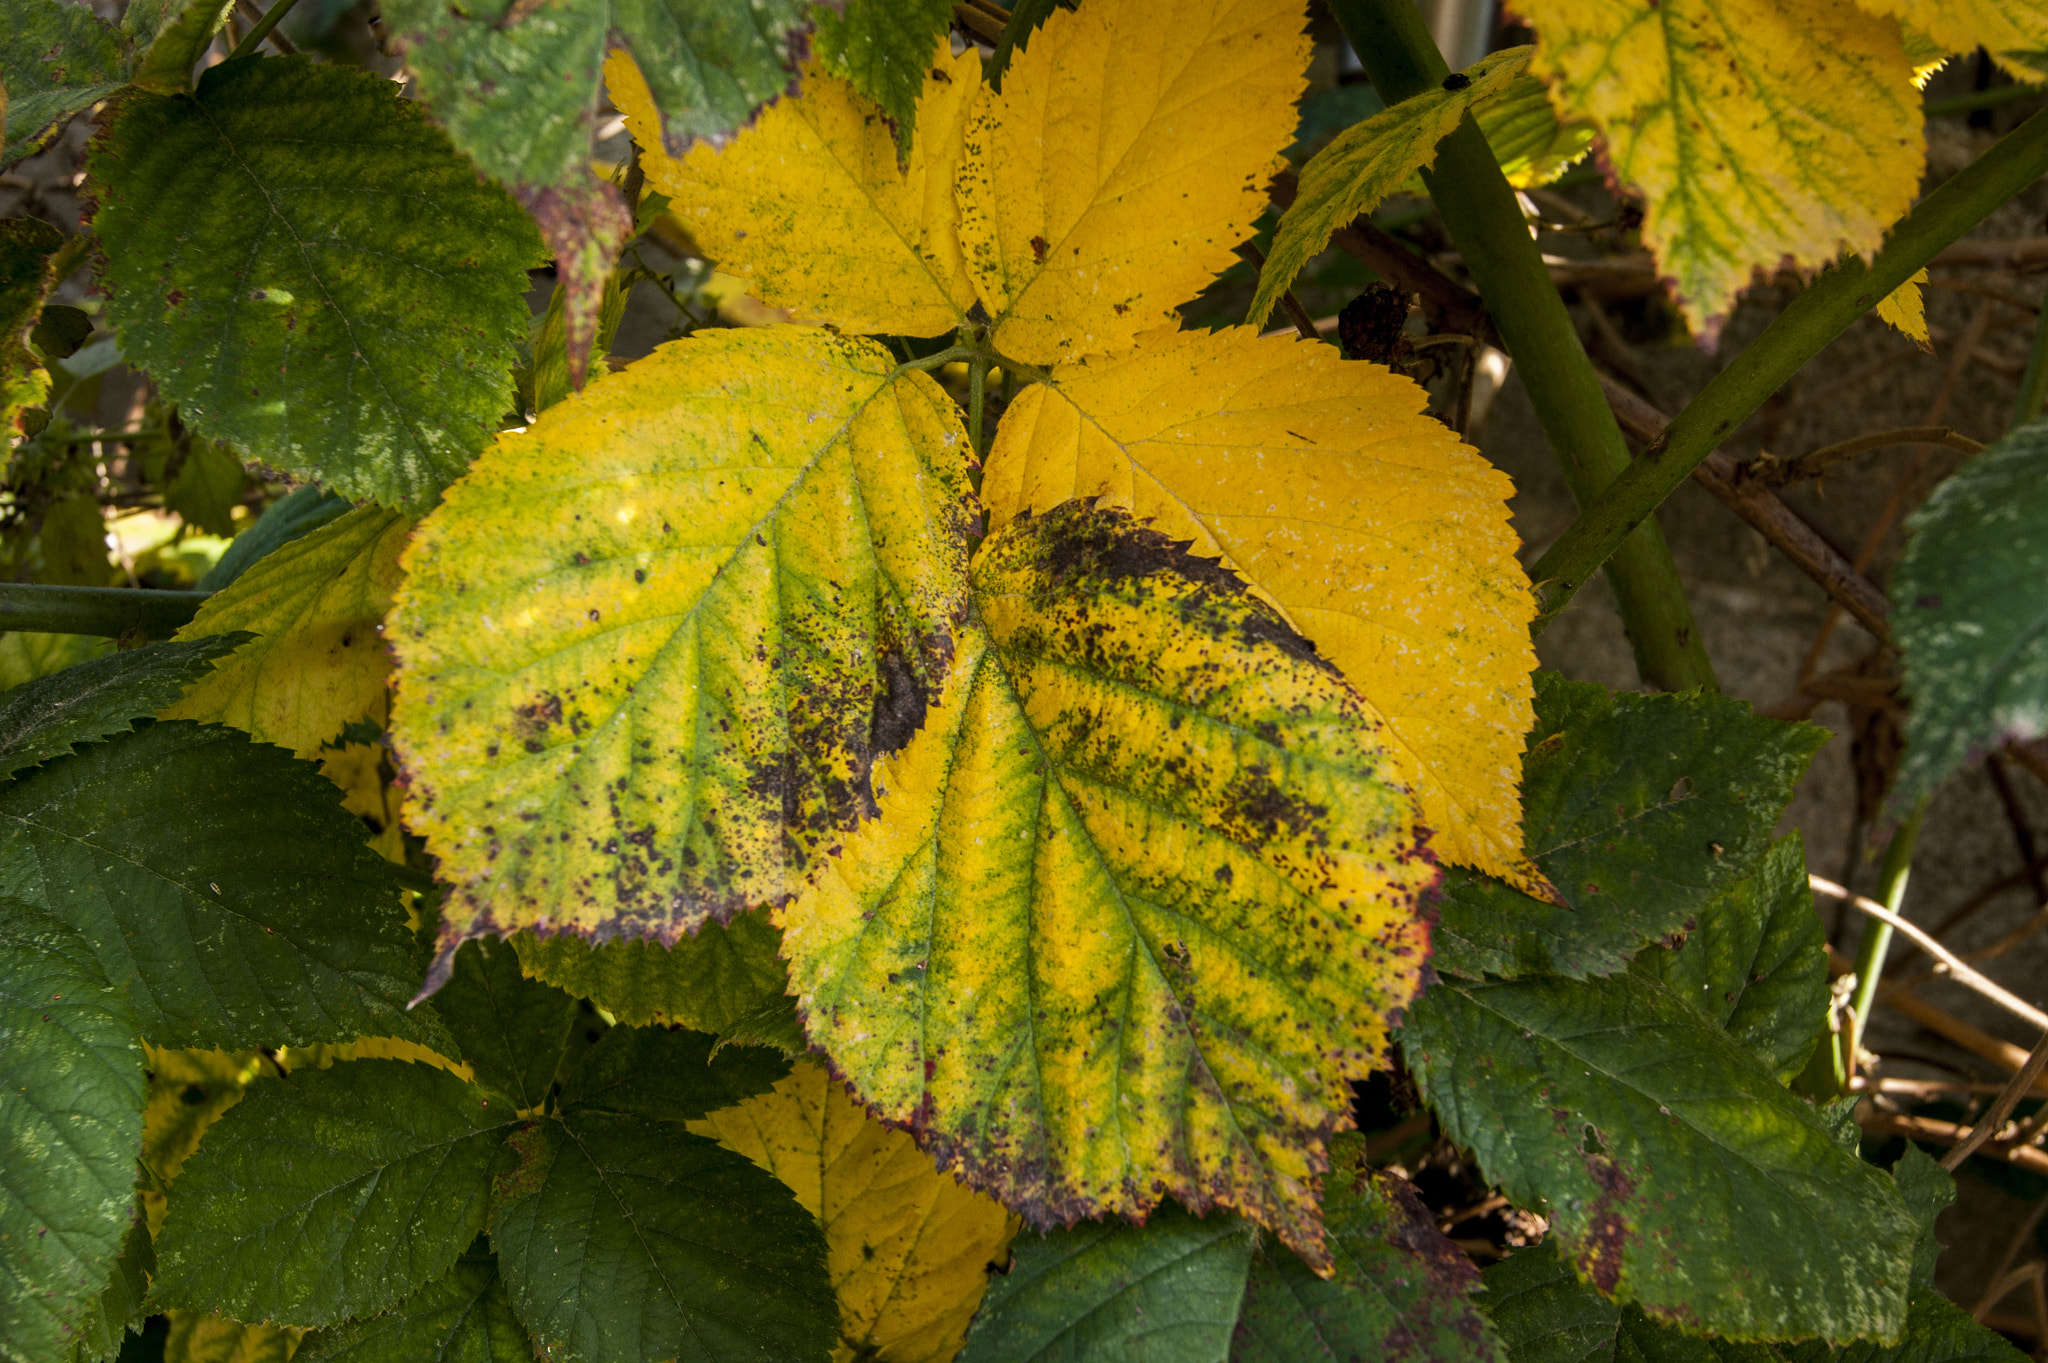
{"type": "Point", "coordinates": [908, 1247]}
{"type": "Point", "coordinates": [1369, 161]}
{"type": "Point", "coordinates": [1321, 482]}
{"type": "Point", "coordinates": [648, 648]}
{"type": "Point", "coordinates": [1905, 310]}
{"type": "Point", "coordinates": [2003, 26]}
{"type": "Point", "coordinates": [1757, 132]}
{"type": "Point", "coordinates": [187, 1091]}
{"type": "Point", "coordinates": [200, 1338]}
{"type": "Point", "coordinates": [811, 207]}
{"type": "Point", "coordinates": [1141, 896]}
{"type": "Point", "coordinates": [1533, 145]}
{"type": "Point", "coordinates": [1122, 163]}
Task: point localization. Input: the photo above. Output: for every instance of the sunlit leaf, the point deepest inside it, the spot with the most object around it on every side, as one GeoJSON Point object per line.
{"type": "Point", "coordinates": [1324, 485]}
{"type": "Point", "coordinates": [1757, 133]}
{"type": "Point", "coordinates": [1141, 895]}
{"type": "Point", "coordinates": [1533, 145]}
{"type": "Point", "coordinates": [908, 1248]}
{"type": "Point", "coordinates": [197, 1337]}
{"type": "Point", "coordinates": [59, 58]}
{"type": "Point", "coordinates": [2005, 27]}
{"type": "Point", "coordinates": [649, 649]}
{"type": "Point", "coordinates": [1122, 163]}
{"type": "Point", "coordinates": [708, 982]}
{"type": "Point", "coordinates": [1905, 311]}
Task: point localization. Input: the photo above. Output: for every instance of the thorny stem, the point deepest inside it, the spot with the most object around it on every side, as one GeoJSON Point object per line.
{"type": "Point", "coordinates": [113, 612]}
{"type": "Point", "coordinates": [1484, 218]}
{"type": "Point", "coordinates": [255, 36]}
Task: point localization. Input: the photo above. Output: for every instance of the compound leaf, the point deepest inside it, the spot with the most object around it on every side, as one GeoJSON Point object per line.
{"type": "Point", "coordinates": [333, 1193]}
{"type": "Point", "coordinates": [709, 982]}
{"type": "Point", "coordinates": [648, 650]}
{"type": "Point", "coordinates": [1755, 132]}
{"type": "Point", "coordinates": [520, 86]}
{"type": "Point", "coordinates": [1756, 962]}
{"type": "Point", "coordinates": [98, 698]}
{"type": "Point", "coordinates": [1676, 1171]}
{"type": "Point", "coordinates": [1367, 162]}
{"type": "Point", "coordinates": [59, 58]}
{"type": "Point", "coordinates": [813, 209]}
{"type": "Point", "coordinates": [463, 1316]}
{"type": "Point", "coordinates": [623, 1240]}
{"type": "Point", "coordinates": [1401, 1292]}
{"type": "Point", "coordinates": [884, 47]}
{"type": "Point", "coordinates": [1165, 136]}
{"type": "Point", "coordinates": [1325, 486]}
{"type": "Point", "coordinates": [221, 884]}
{"type": "Point", "coordinates": [1639, 810]}
{"type": "Point", "coordinates": [908, 1248]}
{"type": "Point", "coordinates": [303, 263]}
{"type": "Point", "coordinates": [1163, 1292]}
{"type": "Point", "coordinates": [71, 1094]}
{"type": "Point", "coordinates": [1141, 896]}
{"type": "Point", "coordinates": [1970, 622]}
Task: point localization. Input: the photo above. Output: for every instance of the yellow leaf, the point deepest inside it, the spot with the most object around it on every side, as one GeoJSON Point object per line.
{"type": "Point", "coordinates": [1140, 897]}
{"type": "Point", "coordinates": [1367, 162]}
{"type": "Point", "coordinates": [1906, 311]}
{"type": "Point", "coordinates": [1321, 482]}
{"type": "Point", "coordinates": [318, 661]}
{"type": "Point", "coordinates": [188, 1091]}
{"type": "Point", "coordinates": [199, 1338]}
{"type": "Point", "coordinates": [907, 1247]}
{"type": "Point", "coordinates": [1758, 133]}
{"type": "Point", "coordinates": [2002, 26]}
{"type": "Point", "coordinates": [1122, 164]}
{"type": "Point", "coordinates": [648, 647]}
{"type": "Point", "coordinates": [812, 208]}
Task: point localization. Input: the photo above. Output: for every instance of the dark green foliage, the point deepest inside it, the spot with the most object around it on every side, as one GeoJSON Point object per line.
{"type": "Point", "coordinates": [513, 1031]}
{"type": "Point", "coordinates": [1639, 809]}
{"type": "Point", "coordinates": [669, 1075]}
{"type": "Point", "coordinates": [1163, 1292]}
{"type": "Point", "coordinates": [461, 1317]}
{"type": "Point", "coordinates": [287, 519]}
{"type": "Point", "coordinates": [303, 263]}
{"type": "Point", "coordinates": [711, 981]}
{"type": "Point", "coordinates": [58, 58]}
{"type": "Point", "coordinates": [71, 1092]}
{"type": "Point", "coordinates": [100, 697]}
{"type": "Point", "coordinates": [105, 1326]}
{"type": "Point", "coordinates": [222, 885]}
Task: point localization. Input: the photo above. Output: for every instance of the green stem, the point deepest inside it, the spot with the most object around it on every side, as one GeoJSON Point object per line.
{"type": "Point", "coordinates": [937, 360]}
{"type": "Point", "coordinates": [1877, 935]}
{"type": "Point", "coordinates": [109, 611]}
{"type": "Point", "coordinates": [1980, 99]}
{"type": "Point", "coordinates": [977, 399]}
{"type": "Point", "coordinates": [2034, 386]}
{"type": "Point", "coordinates": [1483, 217]}
{"type": "Point", "coordinates": [1823, 311]}
{"type": "Point", "coordinates": [256, 35]}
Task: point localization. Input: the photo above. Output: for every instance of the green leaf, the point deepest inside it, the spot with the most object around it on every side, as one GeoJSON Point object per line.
{"type": "Point", "coordinates": [1676, 1171]}
{"type": "Point", "coordinates": [71, 1090]}
{"type": "Point", "coordinates": [25, 657]}
{"type": "Point", "coordinates": [1401, 1292]}
{"type": "Point", "coordinates": [519, 86]}
{"type": "Point", "coordinates": [331, 1194]}
{"type": "Point", "coordinates": [669, 1075]}
{"type": "Point", "coordinates": [709, 982]}
{"type": "Point", "coordinates": [223, 887]}
{"type": "Point", "coordinates": [170, 37]}
{"type": "Point", "coordinates": [1970, 617]}
{"type": "Point", "coordinates": [1926, 1188]}
{"type": "Point", "coordinates": [628, 1241]}
{"type": "Point", "coordinates": [28, 250]}
{"type": "Point", "coordinates": [206, 487]}
{"type": "Point", "coordinates": [59, 58]}
{"type": "Point", "coordinates": [119, 1308]}
{"type": "Point", "coordinates": [1142, 893]}
{"type": "Point", "coordinates": [1163, 1292]}
{"type": "Point", "coordinates": [884, 47]}
{"type": "Point", "coordinates": [197, 1337]}
{"type": "Point", "coordinates": [462, 1317]}
{"type": "Point", "coordinates": [1756, 962]}
{"type": "Point", "coordinates": [99, 698]}
{"type": "Point", "coordinates": [291, 517]}
{"type": "Point", "coordinates": [309, 270]}
{"type": "Point", "coordinates": [1639, 810]}
{"type": "Point", "coordinates": [513, 1031]}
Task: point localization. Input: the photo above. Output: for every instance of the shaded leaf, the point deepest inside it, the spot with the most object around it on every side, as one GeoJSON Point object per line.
{"type": "Point", "coordinates": [98, 698]}
{"type": "Point", "coordinates": [206, 488]}
{"type": "Point", "coordinates": [197, 1337]}
{"type": "Point", "coordinates": [25, 657]}
{"type": "Point", "coordinates": [331, 1194]}
{"type": "Point", "coordinates": [1367, 162]}
{"type": "Point", "coordinates": [1757, 133]}
{"type": "Point", "coordinates": [513, 1031]}
{"type": "Point", "coordinates": [289, 518]}
{"type": "Point", "coordinates": [584, 224]}
{"type": "Point", "coordinates": [59, 58]}
{"type": "Point", "coordinates": [119, 1308]}
{"type": "Point", "coordinates": [70, 1128]}
{"type": "Point", "coordinates": [1163, 1292]}
{"type": "Point", "coordinates": [1676, 1172]}
{"type": "Point", "coordinates": [671, 1076]}
{"type": "Point", "coordinates": [519, 86]}
{"type": "Point", "coordinates": [1969, 613]}
{"type": "Point", "coordinates": [1140, 898]}
{"type": "Point", "coordinates": [286, 246]}
{"type": "Point", "coordinates": [1401, 1292]}
{"type": "Point", "coordinates": [709, 982]}
{"type": "Point", "coordinates": [303, 940]}
{"type": "Point", "coordinates": [884, 48]}
{"type": "Point", "coordinates": [1756, 962]}
{"type": "Point", "coordinates": [170, 36]}
{"type": "Point", "coordinates": [908, 1248]}
{"type": "Point", "coordinates": [28, 250]}
{"type": "Point", "coordinates": [813, 210]}
{"type": "Point", "coordinates": [623, 1240]}
{"type": "Point", "coordinates": [188, 1090]}
{"type": "Point", "coordinates": [1166, 134]}
{"type": "Point", "coordinates": [463, 1316]}
{"type": "Point", "coordinates": [1927, 1189]}
{"type": "Point", "coordinates": [1325, 486]}
{"type": "Point", "coordinates": [1639, 810]}
{"type": "Point", "coordinates": [648, 649]}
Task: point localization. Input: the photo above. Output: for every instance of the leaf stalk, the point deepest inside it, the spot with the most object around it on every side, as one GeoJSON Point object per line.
{"type": "Point", "coordinates": [255, 36]}
{"type": "Point", "coordinates": [112, 612]}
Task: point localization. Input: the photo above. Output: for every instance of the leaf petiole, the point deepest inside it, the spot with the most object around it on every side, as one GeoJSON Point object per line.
{"type": "Point", "coordinates": [256, 35]}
